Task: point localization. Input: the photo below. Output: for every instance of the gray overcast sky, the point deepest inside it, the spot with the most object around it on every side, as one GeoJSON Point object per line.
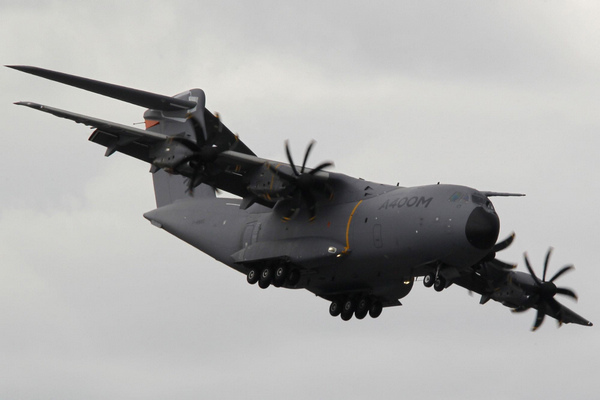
{"type": "Point", "coordinates": [96, 303]}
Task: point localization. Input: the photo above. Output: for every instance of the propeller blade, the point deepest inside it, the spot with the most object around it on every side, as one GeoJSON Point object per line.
{"type": "Point", "coordinates": [562, 271]}
{"type": "Point", "coordinates": [541, 296]}
{"type": "Point", "coordinates": [548, 254]}
{"type": "Point", "coordinates": [504, 244]}
{"type": "Point", "coordinates": [192, 146]}
{"type": "Point", "coordinates": [305, 185]}
{"type": "Point", "coordinates": [538, 320]}
{"type": "Point", "coordinates": [320, 167]}
{"type": "Point", "coordinates": [308, 149]}
{"type": "Point", "coordinates": [290, 159]}
{"type": "Point", "coordinates": [567, 292]}
{"type": "Point", "coordinates": [295, 204]}
{"type": "Point", "coordinates": [199, 129]}
{"type": "Point", "coordinates": [533, 275]}
{"type": "Point", "coordinates": [501, 265]}
{"type": "Point", "coordinates": [193, 181]}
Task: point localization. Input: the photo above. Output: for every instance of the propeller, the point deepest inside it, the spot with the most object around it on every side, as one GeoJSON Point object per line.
{"type": "Point", "coordinates": [305, 185]}
{"type": "Point", "coordinates": [200, 157]}
{"type": "Point", "coordinates": [544, 292]}
{"type": "Point", "coordinates": [491, 259]}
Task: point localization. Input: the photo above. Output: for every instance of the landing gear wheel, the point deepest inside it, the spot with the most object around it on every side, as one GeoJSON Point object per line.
{"type": "Point", "coordinates": [362, 308]}
{"type": "Point", "coordinates": [335, 308]}
{"type": "Point", "coordinates": [429, 279]}
{"type": "Point", "coordinates": [375, 309]}
{"type": "Point", "coordinates": [348, 309]}
{"type": "Point", "coordinates": [252, 276]}
{"type": "Point", "coordinates": [266, 276]}
{"type": "Point", "coordinates": [439, 284]}
{"type": "Point", "coordinates": [281, 273]}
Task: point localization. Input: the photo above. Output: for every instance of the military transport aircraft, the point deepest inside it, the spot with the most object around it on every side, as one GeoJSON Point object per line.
{"type": "Point", "coordinates": [358, 244]}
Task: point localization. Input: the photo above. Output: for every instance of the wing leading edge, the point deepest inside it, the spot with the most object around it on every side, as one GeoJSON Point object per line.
{"type": "Point", "coordinates": [129, 95]}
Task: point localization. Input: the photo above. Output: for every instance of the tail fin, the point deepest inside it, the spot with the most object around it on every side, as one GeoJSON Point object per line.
{"type": "Point", "coordinates": [197, 125]}
{"type": "Point", "coordinates": [189, 124]}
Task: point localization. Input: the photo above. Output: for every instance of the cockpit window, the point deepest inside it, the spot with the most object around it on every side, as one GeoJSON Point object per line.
{"type": "Point", "coordinates": [482, 201]}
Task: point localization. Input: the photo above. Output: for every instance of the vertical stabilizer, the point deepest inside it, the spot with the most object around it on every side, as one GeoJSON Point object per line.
{"type": "Point", "coordinates": [188, 124]}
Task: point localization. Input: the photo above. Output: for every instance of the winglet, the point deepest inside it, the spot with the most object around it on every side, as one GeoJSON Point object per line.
{"type": "Point", "coordinates": [129, 95]}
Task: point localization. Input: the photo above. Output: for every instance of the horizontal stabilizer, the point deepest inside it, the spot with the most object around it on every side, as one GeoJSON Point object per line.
{"type": "Point", "coordinates": [129, 95]}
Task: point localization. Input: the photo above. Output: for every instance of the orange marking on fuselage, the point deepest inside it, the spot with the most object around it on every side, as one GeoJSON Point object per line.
{"type": "Point", "coordinates": [347, 248]}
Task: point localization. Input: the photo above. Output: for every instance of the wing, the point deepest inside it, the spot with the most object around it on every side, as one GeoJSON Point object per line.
{"type": "Point", "coordinates": [129, 95]}
{"type": "Point", "coordinates": [184, 138]}
{"type": "Point", "coordinates": [132, 141]}
{"type": "Point", "coordinates": [146, 145]}
{"type": "Point", "coordinates": [519, 291]}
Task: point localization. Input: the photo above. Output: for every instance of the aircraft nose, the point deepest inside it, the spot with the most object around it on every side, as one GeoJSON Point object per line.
{"type": "Point", "coordinates": [482, 228]}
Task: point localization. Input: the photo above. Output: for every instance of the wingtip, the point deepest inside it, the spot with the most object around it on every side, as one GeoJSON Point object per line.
{"type": "Point", "coordinates": [23, 68]}
{"type": "Point", "coordinates": [29, 104]}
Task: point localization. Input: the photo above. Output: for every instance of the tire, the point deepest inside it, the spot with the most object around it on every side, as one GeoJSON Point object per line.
{"type": "Point", "coordinates": [266, 276]}
{"type": "Point", "coordinates": [362, 308]}
{"type": "Point", "coordinates": [252, 276]}
{"type": "Point", "coordinates": [376, 309]}
{"type": "Point", "coordinates": [335, 308]}
{"type": "Point", "coordinates": [346, 317]}
{"type": "Point", "coordinates": [279, 276]}
{"type": "Point", "coordinates": [439, 284]}
{"type": "Point", "coordinates": [428, 280]}
{"type": "Point", "coordinates": [348, 309]}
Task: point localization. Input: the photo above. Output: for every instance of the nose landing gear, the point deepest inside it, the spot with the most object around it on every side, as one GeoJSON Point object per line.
{"type": "Point", "coordinates": [436, 280]}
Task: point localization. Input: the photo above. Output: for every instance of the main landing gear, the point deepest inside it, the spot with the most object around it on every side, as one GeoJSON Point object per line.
{"type": "Point", "coordinates": [277, 276]}
{"type": "Point", "coordinates": [438, 282]}
{"type": "Point", "coordinates": [357, 306]}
